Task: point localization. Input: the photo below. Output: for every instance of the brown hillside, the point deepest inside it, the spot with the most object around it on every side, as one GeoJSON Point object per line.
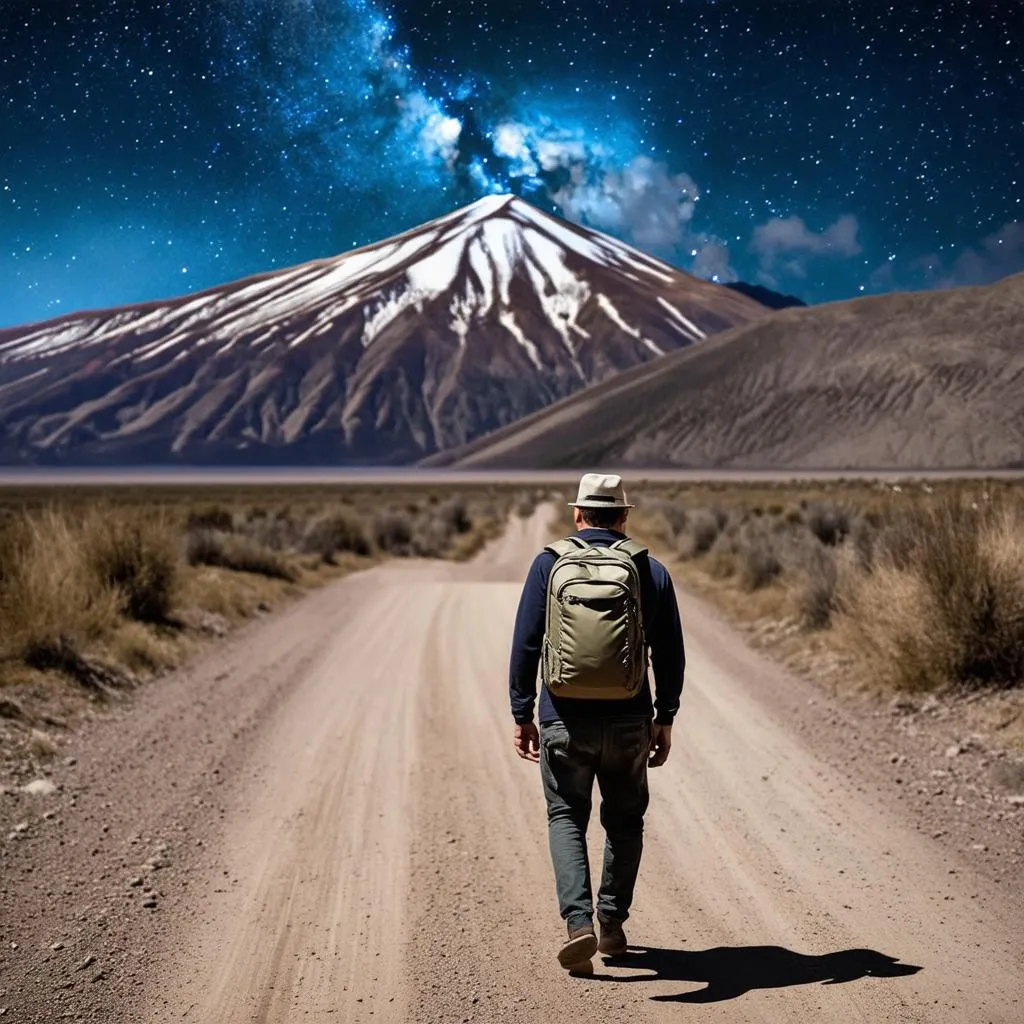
{"type": "Point", "coordinates": [903, 381]}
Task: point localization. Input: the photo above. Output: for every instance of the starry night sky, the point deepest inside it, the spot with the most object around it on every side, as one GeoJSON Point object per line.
{"type": "Point", "coordinates": [829, 148]}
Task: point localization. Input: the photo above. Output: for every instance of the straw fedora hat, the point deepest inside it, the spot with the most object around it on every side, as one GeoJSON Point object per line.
{"type": "Point", "coordinates": [601, 490]}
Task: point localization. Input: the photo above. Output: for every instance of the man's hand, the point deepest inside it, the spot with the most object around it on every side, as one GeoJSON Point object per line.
{"type": "Point", "coordinates": [661, 744]}
{"type": "Point", "coordinates": [527, 742]}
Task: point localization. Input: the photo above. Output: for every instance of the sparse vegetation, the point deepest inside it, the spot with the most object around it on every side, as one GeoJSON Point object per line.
{"type": "Point", "coordinates": [49, 597]}
{"type": "Point", "coordinates": [247, 554]}
{"type": "Point", "coordinates": [136, 555]}
{"type": "Point", "coordinates": [943, 599]}
{"type": "Point", "coordinates": [392, 532]}
{"type": "Point", "coordinates": [922, 583]}
{"type": "Point", "coordinates": [96, 583]}
{"type": "Point", "coordinates": [337, 531]}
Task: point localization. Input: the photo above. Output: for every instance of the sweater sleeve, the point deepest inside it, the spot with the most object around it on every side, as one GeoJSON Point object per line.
{"type": "Point", "coordinates": [527, 640]}
{"type": "Point", "coordinates": [668, 656]}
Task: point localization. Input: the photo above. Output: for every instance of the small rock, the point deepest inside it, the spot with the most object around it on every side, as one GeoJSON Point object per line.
{"type": "Point", "coordinates": [264, 606]}
{"type": "Point", "coordinates": [12, 710]}
{"type": "Point", "coordinates": [71, 761]}
{"type": "Point", "coordinates": [1016, 801]}
{"type": "Point", "coordinates": [87, 962]}
{"type": "Point", "coordinates": [954, 751]}
{"type": "Point", "coordinates": [57, 946]}
{"type": "Point", "coordinates": [211, 623]}
{"type": "Point", "coordinates": [135, 882]}
{"type": "Point", "coordinates": [21, 828]}
{"type": "Point", "coordinates": [980, 847]}
{"type": "Point", "coordinates": [39, 787]}
{"type": "Point", "coordinates": [149, 904]}
{"type": "Point", "coordinates": [902, 705]}
{"type": "Point", "coordinates": [41, 744]}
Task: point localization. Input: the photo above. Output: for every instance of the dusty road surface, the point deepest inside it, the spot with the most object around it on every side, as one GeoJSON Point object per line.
{"type": "Point", "coordinates": [348, 836]}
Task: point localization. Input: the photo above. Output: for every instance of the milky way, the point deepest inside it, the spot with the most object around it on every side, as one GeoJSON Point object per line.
{"type": "Point", "coordinates": [827, 149]}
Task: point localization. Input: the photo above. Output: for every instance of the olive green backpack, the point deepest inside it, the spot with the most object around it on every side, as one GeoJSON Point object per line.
{"type": "Point", "coordinates": [594, 638]}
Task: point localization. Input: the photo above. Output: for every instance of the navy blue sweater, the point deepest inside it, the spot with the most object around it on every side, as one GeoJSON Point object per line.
{"type": "Point", "coordinates": [663, 631]}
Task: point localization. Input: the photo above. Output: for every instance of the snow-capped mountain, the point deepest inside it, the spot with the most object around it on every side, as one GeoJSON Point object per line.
{"type": "Point", "coordinates": [384, 354]}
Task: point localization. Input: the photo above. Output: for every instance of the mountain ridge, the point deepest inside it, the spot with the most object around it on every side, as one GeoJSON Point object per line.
{"type": "Point", "coordinates": [381, 355]}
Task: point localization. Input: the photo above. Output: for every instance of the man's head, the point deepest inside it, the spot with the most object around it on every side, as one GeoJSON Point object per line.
{"type": "Point", "coordinates": [601, 502]}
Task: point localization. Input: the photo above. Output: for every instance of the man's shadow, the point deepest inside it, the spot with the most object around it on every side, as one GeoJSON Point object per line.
{"type": "Point", "coordinates": [730, 971]}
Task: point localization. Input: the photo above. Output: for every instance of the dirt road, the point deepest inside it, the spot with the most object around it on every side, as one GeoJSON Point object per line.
{"type": "Point", "coordinates": [371, 850]}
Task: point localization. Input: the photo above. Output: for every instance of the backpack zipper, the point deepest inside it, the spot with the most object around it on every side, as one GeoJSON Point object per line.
{"type": "Point", "coordinates": [585, 579]}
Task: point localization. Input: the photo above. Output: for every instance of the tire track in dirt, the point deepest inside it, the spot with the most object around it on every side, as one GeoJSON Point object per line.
{"type": "Point", "coordinates": [322, 849]}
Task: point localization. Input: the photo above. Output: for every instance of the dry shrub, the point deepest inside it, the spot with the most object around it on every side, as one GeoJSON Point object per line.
{"type": "Point", "coordinates": [393, 533]}
{"type": "Point", "coordinates": [244, 554]}
{"type": "Point", "coordinates": [432, 537]}
{"type": "Point", "coordinates": [524, 504]}
{"type": "Point", "coordinates": [281, 532]}
{"type": "Point", "coordinates": [340, 530]}
{"type": "Point", "coordinates": [702, 530]}
{"type": "Point", "coordinates": [758, 563]}
{"type": "Point", "coordinates": [829, 522]}
{"type": "Point", "coordinates": [238, 552]}
{"type": "Point", "coordinates": [863, 540]}
{"type": "Point", "coordinates": [674, 517]}
{"type": "Point", "coordinates": [453, 516]}
{"type": "Point", "coordinates": [943, 602]}
{"type": "Point", "coordinates": [814, 592]}
{"type": "Point", "coordinates": [136, 554]}
{"type": "Point", "coordinates": [139, 649]}
{"type": "Point", "coordinates": [722, 561]}
{"type": "Point", "coordinates": [50, 600]}
{"type": "Point", "coordinates": [8, 535]}
{"type": "Point", "coordinates": [211, 517]}
{"type": "Point", "coordinates": [204, 547]}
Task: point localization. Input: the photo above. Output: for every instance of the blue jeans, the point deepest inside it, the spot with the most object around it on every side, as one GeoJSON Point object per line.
{"type": "Point", "coordinates": [614, 751]}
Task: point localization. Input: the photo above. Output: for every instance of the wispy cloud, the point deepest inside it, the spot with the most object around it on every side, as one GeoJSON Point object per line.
{"type": "Point", "coordinates": [790, 235]}
{"type": "Point", "coordinates": [642, 202]}
{"type": "Point", "coordinates": [785, 246]}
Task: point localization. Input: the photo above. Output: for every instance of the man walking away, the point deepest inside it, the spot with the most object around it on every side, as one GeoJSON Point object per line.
{"type": "Point", "coordinates": [592, 608]}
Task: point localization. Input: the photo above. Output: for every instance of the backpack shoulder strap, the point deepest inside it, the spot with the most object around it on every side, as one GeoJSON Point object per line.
{"type": "Point", "coordinates": [630, 547]}
{"type": "Point", "coordinates": [566, 547]}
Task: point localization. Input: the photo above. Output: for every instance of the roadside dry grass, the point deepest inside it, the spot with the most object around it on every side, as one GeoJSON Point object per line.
{"type": "Point", "coordinates": [909, 587]}
{"type": "Point", "coordinates": [104, 585]}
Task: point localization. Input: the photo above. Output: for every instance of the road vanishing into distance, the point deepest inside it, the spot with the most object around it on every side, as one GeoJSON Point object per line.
{"type": "Point", "coordinates": [350, 837]}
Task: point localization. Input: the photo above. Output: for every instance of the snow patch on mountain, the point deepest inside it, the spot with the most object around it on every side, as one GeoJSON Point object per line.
{"type": "Point", "coordinates": [472, 255]}
{"type": "Point", "coordinates": [688, 326]}
{"type": "Point", "coordinates": [508, 321]}
{"type": "Point", "coordinates": [609, 310]}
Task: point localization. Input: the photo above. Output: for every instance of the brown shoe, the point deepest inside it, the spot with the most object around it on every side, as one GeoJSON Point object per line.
{"type": "Point", "coordinates": [613, 938]}
{"type": "Point", "coordinates": [578, 949]}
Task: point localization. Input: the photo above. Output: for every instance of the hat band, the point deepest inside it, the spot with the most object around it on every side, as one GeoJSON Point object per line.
{"type": "Point", "coordinates": [601, 497]}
